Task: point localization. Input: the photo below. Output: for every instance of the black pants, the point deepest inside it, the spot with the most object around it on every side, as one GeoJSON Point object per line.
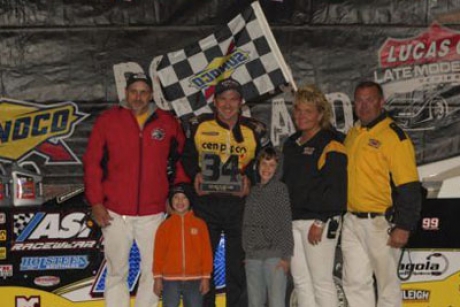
{"type": "Point", "coordinates": [224, 213]}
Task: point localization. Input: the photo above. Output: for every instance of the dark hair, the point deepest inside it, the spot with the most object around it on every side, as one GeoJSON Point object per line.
{"type": "Point", "coordinates": [367, 84]}
{"type": "Point", "coordinates": [267, 153]}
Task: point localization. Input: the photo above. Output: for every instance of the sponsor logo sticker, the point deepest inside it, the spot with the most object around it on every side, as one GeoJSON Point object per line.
{"type": "Point", "coordinates": [3, 235]}
{"type": "Point", "coordinates": [52, 231]}
{"type": "Point", "coordinates": [210, 133]}
{"type": "Point", "coordinates": [220, 68]}
{"type": "Point", "coordinates": [47, 281]}
{"type": "Point", "coordinates": [158, 134]}
{"type": "Point", "coordinates": [2, 253]}
{"type": "Point", "coordinates": [435, 264]}
{"type": "Point", "coordinates": [6, 270]}
{"type": "Point", "coordinates": [308, 151]}
{"type": "Point", "coordinates": [54, 263]}
{"type": "Point", "coordinates": [374, 143]}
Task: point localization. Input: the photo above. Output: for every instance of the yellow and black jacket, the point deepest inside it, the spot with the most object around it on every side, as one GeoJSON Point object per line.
{"type": "Point", "coordinates": [382, 171]}
{"type": "Point", "coordinates": [316, 175]}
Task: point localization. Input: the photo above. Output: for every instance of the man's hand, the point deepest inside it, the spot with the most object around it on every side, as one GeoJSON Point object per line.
{"type": "Point", "coordinates": [398, 238]}
{"type": "Point", "coordinates": [157, 286]}
{"type": "Point", "coordinates": [204, 286]}
{"type": "Point", "coordinates": [101, 215]}
{"type": "Point", "coordinates": [284, 265]}
{"type": "Point", "coordinates": [197, 185]}
{"type": "Point", "coordinates": [314, 234]}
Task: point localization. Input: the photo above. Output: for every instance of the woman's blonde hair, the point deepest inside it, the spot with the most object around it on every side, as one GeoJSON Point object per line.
{"type": "Point", "coordinates": [311, 94]}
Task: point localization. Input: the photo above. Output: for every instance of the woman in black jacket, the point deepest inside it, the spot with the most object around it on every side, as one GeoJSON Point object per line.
{"type": "Point", "coordinates": [315, 172]}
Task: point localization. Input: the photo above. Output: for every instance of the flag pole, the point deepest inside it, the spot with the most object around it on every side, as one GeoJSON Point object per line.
{"type": "Point", "coordinates": [271, 40]}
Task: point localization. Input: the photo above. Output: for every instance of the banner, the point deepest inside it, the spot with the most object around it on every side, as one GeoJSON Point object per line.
{"type": "Point", "coordinates": [244, 49]}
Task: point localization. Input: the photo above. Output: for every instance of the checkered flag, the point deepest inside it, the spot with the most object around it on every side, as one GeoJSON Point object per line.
{"type": "Point", "coordinates": [244, 49]}
{"type": "Point", "coordinates": [21, 221]}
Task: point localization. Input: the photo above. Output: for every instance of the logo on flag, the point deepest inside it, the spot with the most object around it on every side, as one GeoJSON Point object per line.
{"type": "Point", "coordinates": [244, 49]}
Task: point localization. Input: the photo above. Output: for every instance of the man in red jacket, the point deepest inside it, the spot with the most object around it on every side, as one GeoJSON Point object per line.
{"type": "Point", "coordinates": [130, 150]}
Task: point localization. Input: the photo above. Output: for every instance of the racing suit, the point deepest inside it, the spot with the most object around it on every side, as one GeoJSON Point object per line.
{"type": "Point", "coordinates": [223, 213]}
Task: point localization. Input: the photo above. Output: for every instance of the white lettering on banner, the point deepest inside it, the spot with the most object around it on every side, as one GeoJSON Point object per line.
{"type": "Point", "coordinates": [54, 245]}
{"type": "Point", "coordinates": [51, 227]}
{"type": "Point", "coordinates": [419, 50]}
{"type": "Point", "coordinates": [281, 123]}
{"type": "Point", "coordinates": [342, 111]}
{"type": "Point", "coordinates": [451, 69]}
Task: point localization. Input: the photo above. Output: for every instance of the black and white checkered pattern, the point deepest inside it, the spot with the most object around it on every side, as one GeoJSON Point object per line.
{"type": "Point", "coordinates": [244, 49]}
{"type": "Point", "coordinates": [21, 220]}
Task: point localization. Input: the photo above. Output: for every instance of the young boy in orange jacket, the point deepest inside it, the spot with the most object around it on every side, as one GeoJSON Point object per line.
{"type": "Point", "coordinates": [182, 262]}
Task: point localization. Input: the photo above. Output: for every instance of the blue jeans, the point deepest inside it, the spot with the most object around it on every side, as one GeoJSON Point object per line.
{"type": "Point", "coordinates": [190, 291]}
{"type": "Point", "coordinates": [262, 277]}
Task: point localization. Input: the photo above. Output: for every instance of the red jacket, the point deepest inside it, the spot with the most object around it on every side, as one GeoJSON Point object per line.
{"type": "Point", "coordinates": [182, 249]}
{"type": "Point", "coordinates": [126, 167]}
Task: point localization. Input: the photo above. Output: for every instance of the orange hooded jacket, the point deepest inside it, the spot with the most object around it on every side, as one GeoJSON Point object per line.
{"type": "Point", "coordinates": [182, 249]}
